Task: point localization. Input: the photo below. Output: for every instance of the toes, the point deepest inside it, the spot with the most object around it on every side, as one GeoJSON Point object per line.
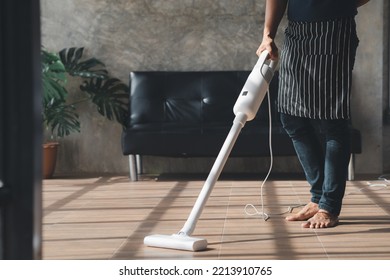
{"type": "Point", "coordinates": [321, 220]}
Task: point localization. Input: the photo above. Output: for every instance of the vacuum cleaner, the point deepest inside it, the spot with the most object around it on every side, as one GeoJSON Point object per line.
{"type": "Point", "coordinates": [245, 109]}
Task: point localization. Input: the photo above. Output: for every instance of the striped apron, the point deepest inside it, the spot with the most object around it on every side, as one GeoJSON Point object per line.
{"type": "Point", "coordinates": [316, 69]}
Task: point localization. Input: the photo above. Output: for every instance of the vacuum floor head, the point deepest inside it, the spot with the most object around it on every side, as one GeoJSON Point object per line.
{"type": "Point", "coordinates": [176, 241]}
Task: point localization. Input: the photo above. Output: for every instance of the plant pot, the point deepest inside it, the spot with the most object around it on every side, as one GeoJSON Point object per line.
{"type": "Point", "coordinates": [49, 159]}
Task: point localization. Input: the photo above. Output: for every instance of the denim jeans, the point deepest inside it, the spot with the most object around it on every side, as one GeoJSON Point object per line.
{"type": "Point", "coordinates": [325, 166]}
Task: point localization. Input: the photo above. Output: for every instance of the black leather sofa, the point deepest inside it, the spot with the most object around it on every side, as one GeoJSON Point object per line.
{"type": "Point", "coordinates": [189, 114]}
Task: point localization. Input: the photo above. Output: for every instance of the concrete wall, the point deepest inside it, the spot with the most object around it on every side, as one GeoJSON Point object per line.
{"type": "Point", "coordinates": [370, 88]}
{"type": "Point", "coordinates": [131, 35]}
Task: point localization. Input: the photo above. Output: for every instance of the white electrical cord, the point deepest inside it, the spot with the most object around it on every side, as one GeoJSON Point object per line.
{"type": "Point", "coordinates": [261, 213]}
{"type": "Point", "coordinates": [257, 212]}
{"type": "Point", "coordinates": [377, 186]}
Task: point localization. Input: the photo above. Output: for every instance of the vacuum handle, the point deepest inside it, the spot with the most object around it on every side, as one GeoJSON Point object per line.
{"type": "Point", "coordinates": [255, 87]}
{"type": "Point", "coordinates": [267, 66]}
{"type": "Point", "coordinates": [263, 59]}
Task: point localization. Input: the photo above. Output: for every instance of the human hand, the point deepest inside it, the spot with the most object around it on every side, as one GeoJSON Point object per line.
{"type": "Point", "coordinates": [269, 45]}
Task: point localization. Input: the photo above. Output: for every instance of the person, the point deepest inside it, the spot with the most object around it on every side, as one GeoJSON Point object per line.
{"type": "Point", "coordinates": [315, 72]}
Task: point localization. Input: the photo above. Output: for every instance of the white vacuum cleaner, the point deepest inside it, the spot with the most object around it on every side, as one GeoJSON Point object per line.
{"type": "Point", "coordinates": [245, 109]}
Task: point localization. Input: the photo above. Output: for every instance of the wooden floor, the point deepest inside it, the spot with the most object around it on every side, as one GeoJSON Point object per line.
{"type": "Point", "coordinates": [108, 217]}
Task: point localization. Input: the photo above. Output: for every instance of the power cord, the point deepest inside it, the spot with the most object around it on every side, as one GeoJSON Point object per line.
{"type": "Point", "coordinates": [255, 211]}
{"type": "Point", "coordinates": [378, 186]}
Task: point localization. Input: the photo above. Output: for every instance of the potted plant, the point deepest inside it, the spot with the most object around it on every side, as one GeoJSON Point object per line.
{"type": "Point", "coordinates": [60, 117]}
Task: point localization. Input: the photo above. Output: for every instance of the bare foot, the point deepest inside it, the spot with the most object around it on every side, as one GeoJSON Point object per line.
{"type": "Point", "coordinates": [307, 212]}
{"type": "Point", "coordinates": [322, 219]}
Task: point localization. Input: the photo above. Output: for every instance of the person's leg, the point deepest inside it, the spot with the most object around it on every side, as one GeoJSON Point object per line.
{"type": "Point", "coordinates": [310, 155]}
{"type": "Point", "coordinates": [335, 170]}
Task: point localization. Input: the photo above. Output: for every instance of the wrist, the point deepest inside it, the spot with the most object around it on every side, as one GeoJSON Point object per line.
{"type": "Point", "coordinates": [268, 38]}
{"type": "Point", "coordinates": [269, 34]}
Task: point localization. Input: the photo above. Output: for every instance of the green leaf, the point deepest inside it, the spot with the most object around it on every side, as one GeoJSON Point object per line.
{"type": "Point", "coordinates": [53, 76]}
{"type": "Point", "coordinates": [60, 118]}
{"type": "Point", "coordinates": [110, 97]}
{"type": "Point", "coordinates": [91, 68]}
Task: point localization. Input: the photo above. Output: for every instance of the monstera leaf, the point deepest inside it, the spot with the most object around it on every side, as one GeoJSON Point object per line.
{"type": "Point", "coordinates": [109, 95]}
{"type": "Point", "coordinates": [90, 68]}
{"type": "Point", "coordinates": [60, 118]}
{"type": "Point", "coordinates": [53, 77]}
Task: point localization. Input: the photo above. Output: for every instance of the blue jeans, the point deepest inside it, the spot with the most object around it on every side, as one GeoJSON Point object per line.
{"type": "Point", "coordinates": [325, 168]}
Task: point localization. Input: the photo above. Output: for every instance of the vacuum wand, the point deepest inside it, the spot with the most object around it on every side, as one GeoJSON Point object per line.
{"type": "Point", "coordinates": [245, 109]}
{"type": "Point", "coordinates": [238, 124]}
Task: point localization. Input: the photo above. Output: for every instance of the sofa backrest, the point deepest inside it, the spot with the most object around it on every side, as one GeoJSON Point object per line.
{"type": "Point", "coordinates": [189, 97]}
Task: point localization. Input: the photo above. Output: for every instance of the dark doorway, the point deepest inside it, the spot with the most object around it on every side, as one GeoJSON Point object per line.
{"type": "Point", "coordinates": [20, 130]}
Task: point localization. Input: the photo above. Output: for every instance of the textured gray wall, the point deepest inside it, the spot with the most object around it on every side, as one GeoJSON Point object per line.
{"type": "Point", "coordinates": [192, 35]}
{"type": "Point", "coordinates": [370, 90]}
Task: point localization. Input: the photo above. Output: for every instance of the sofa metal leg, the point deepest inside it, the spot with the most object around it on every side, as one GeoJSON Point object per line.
{"type": "Point", "coordinates": [138, 159]}
{"type": "Point", "coordinates": [351, 168]}
{"type": "Point", "coordinates": [133, 168]}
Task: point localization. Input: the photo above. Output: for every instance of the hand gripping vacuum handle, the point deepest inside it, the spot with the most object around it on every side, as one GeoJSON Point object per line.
{"type": "Point", "coordinates": [255, 87]}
